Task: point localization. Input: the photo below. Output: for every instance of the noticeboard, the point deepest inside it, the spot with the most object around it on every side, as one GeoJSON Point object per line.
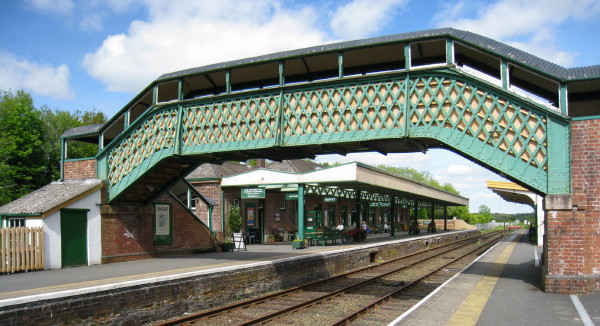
{"type": "Point", "coordinates": [163, 219]}
{"type": "Point", "coordinates": [249, 193]}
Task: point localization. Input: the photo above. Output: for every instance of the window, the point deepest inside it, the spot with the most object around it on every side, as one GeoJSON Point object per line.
{"type": "Point", "coordinates": [14, 222]}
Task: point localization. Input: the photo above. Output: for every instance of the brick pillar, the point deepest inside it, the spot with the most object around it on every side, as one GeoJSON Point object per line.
{"type": "Point", "coordinates": [572, 242]}
{"type": "Point", "coordinates": [79, 169]}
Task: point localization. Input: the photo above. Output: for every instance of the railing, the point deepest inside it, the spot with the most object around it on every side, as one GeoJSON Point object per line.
{"type": "Point", "coordinates": [21, 249]}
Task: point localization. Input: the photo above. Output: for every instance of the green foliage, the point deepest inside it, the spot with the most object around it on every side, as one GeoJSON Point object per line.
{"type": "Point", "coordinates": [422, 213]}
{"type": "Point", "coordinates": [21, 149]}
{"type": "Point", "coordinates": [502, 217]}
{"type": "Point", "coordinates": [30, 143]}
{"type": "Point", "coordinates": [55, 124]}
{"type": "Point", "coordinates": [483, 216]}
{"type": "Point", "coordinates": [461, 212]}
{"type": "Point", "coordinates": [234, 220]}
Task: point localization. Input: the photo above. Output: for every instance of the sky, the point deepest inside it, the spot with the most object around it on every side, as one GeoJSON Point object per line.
{"type": "Point", "coordinates": [98, 54]}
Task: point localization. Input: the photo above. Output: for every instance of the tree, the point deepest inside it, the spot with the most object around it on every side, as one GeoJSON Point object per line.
{"type": "Point", "coordinates": [461, 212]}
{"type": "Point", "coordinates": [55, 124]}
{"type": "Point", "coordinates": [234, 220]}
{"type": "Point", "coordinates": [21, 149]}
{"type": "Point", "coordinates": [485, 214]}
{"type": "Point", "coordinates": [30, 143]}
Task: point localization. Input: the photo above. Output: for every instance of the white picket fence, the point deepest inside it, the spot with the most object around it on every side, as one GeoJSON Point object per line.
{"type": "Point", "coordinates": [21, 249]}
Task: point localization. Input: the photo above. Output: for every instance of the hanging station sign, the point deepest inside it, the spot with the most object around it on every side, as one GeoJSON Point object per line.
{"type": "Point", "coordinates": [293, 196]}
{"type": "Point", "coordinates": [380, 204]}
{"type": "Point", "coordinates": [249, 193]}
{"type": "Point", "coordinates": [329, 199]}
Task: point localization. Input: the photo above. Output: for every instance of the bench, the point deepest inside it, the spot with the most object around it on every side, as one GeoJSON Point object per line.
{"type": "Point", "coordinates": [324, 236]}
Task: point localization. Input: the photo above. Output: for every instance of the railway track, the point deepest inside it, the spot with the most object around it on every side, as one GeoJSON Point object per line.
{"type": "Point", "coordinates": [372, 295]}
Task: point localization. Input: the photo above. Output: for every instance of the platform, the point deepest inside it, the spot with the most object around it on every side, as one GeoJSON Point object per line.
{"type": "Point", "coordinates": [40, 285]}
{"type": "Point", "coordinates": [503, 287]}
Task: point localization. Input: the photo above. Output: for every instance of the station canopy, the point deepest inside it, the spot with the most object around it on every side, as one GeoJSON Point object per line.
{"type": "Point", "coordinates": [343, 181]}
{"type": "Point", "coordinates": [512, 192]}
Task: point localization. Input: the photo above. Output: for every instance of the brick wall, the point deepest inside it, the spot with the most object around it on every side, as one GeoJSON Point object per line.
{"type": "Point", "coordinates": [573, 234]}
{"type": "Point", "coordinates": [81, 169]}
{"type": "Point", "coordinates": [210, 190]}
{"type": "Point", "coordinates": [127, 232]}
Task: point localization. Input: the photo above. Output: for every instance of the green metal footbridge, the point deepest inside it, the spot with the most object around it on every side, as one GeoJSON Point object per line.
{"type": "Point", "coordinates": [500, 107]}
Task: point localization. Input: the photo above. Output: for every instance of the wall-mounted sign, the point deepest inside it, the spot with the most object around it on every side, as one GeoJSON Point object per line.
{"type": "Point", "coordinates": [329, 199]}
{"type": "Point", "coordinates": [162, 223]}
{"type": "Point", "coordinates": [249, 193]}
{"type": "Point", "coordinates": [291, 196]}
{"type": "Point", "coordinates": [380, 204]}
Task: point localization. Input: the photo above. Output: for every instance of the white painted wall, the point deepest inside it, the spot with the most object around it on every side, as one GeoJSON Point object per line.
{"type": "Point", "coordinates": [33, 222]}
{"type": "Point", "coordinates": [51, 224]}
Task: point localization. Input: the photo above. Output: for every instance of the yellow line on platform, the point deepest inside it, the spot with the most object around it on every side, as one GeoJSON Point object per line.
{"type": "Point", "coordinates": [470, 309]}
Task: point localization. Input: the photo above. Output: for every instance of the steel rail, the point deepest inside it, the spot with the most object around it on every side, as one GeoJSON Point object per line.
{"type": "Point", "coordinates": [352, 316]}
{"type": "Point", "coordinates": [328, 296]}
{"type": "Point", "coordinates": [273, 296]}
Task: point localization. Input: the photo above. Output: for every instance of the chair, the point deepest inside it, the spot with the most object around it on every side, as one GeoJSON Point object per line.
{"type": "Point", "coordinates": [250, 237]}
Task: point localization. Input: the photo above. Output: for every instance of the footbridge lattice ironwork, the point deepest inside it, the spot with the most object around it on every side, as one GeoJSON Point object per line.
{"type": "Point", "coordinates": [440, 108]}
{"type": "Point", "coordinates": [400, 93]}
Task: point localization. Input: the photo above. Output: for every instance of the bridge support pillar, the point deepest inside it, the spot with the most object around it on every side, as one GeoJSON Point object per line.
{"type": "Point", "coordinates": [572, 240]}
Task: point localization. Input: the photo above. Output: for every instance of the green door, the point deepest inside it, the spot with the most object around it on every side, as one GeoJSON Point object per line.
{"type": "Point", "coordinates": [73, 230]}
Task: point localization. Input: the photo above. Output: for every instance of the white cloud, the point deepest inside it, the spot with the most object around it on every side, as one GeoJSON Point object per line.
{"type": "Point", "coordinates": [525, 24]}
{"type": "Point", "coordinates": [121, 6]}
{"type": "Point", "coordinates": [185, 34]}
{"type": "Point", "coordinates": [62, 7]}
{"type": "Point", "coordinates": [458, 169]}
{"type": "Point", "coordinates": [360, 18]}
{"type": "Point", "coordinates": [40, 79]}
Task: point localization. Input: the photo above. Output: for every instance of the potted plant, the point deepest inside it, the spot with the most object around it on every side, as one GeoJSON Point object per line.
{"type": "Point", "coordinates": [298, 244]}
{"type": "Point", "coordinates": [234, 225]}
{"type": "Point", "coordinates": [271, 238]}
{"type": "Point", "coordinates": [234, 220]}
{"type": "Point", "coordinates": [227, 246]}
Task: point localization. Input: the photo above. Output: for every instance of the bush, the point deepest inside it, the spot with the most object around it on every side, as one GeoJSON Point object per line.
{"type": "Point", "coordinates": [234, 220]}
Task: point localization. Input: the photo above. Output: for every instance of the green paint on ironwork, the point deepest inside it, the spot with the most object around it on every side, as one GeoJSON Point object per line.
{"type": "Point", "coordinates": [494, 127]}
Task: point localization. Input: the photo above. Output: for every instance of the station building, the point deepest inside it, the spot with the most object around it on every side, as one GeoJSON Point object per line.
{"type": "Point", "coordinates": [190, 217]}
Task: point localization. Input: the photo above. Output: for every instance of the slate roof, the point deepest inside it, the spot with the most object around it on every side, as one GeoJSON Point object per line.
{"type": "Point", "coordinates": [212, 171]}
{"type": "Point", "coordinates": [295, 166]}
{"type": "Point", "coordinates": [49, 197]}
{"type": "Point", "coordinates": [472, 39]}
{"type": "Point", "coordinates": [83, 130]}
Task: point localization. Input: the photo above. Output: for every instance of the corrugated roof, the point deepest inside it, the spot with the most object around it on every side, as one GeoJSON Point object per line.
{"type": "Point", "coordinates": [472, 39]}
{"type": "Point", "coordinates": [49, 197]}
